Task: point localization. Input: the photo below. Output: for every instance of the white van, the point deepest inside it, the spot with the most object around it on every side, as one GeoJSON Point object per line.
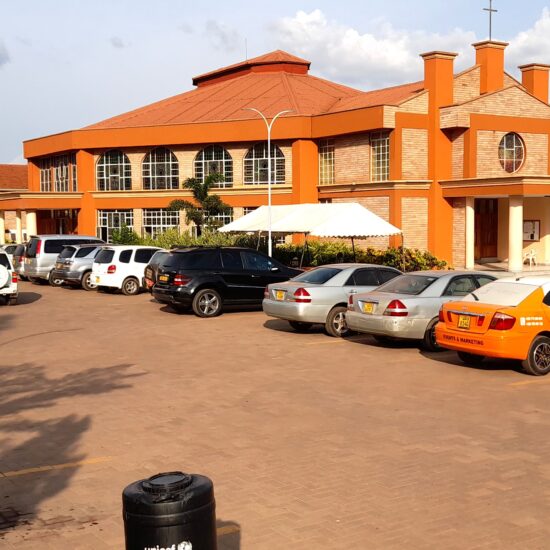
{"type": "Point", "coordinates": [121, 267]}
{"type": "Point", "coordinates": [8, 280]}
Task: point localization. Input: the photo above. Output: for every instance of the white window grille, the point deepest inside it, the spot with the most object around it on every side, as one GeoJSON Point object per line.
{"type": "Point", "coordinates": [58, 174]}
{"type": "Point", "coordinates": [214, 159]}
{"type": "Point", "coordinates": [45, 175]}
{"type": "Point", "coordinates": [107, 220]}
{"type": "Point", "coordinates": [113, 172]}
{"type": "Point", "coordinates": [248, 209]}
{"type": "Point", "coordinates": [380, 153]}
{"type": "Point", "coordinates": [158, 220]}
{"type": "Point", "coordinates": [160, 169]}
{"type": "Point", "coordinates": [256, 165]}
{"type": "Point", "coordinates": [326, 162]}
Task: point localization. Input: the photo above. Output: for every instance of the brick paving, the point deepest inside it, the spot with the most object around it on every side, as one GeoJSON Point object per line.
{"type": "Point", "coordinates": [312, 442]}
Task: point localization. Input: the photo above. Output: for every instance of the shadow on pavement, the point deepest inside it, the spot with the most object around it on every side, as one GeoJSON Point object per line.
{"type": "Point", "coordinates": [38, 455]}
{"type": "Point", "coordinates": [489, 364]}
{"type": "Point", "coordinates": [25, 298]}
{"type": "Point", "coordinates": [229, 535]}
{"type": "Point", "coordinates": [227, 310]}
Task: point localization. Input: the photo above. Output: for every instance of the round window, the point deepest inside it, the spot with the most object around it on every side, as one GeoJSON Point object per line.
{"type": "Point", "coordinates": [511, 152]}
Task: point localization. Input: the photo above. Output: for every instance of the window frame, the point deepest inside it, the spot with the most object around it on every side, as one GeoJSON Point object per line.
{"type": "Point", "coordinates": [504, 148]}
{"type": "Point", "coordinates": [380, 156]}
{"type": "Point", "coordinates": [201, 164]}
{"type": "Point", "coordinates": [326, 162]}
{"type": "Point", "coordinates": [255, 157]}
{"type": "Point", "coordinates": [105, 171]}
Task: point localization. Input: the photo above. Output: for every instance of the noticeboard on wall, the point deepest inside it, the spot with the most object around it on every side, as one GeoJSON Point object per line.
{"type": "Point", "coordinates": [531, 230]}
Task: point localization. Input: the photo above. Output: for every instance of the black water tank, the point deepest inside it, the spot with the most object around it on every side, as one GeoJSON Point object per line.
{"type": "Point", "coordinates": [172, 511]}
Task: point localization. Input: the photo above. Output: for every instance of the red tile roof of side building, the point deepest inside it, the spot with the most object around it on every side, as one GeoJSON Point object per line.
{"type": "Point", "coordinates": [269, 83]}
{"type": "Point", "coordinates": [13, 176]}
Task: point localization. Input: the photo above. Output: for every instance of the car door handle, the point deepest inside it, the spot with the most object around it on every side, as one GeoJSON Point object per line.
{"type": "Point", "coordinates": [255, 276]}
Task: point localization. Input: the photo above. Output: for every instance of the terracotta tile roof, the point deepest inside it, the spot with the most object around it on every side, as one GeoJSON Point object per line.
{"type": "Point", "coordinates": [13, 176]}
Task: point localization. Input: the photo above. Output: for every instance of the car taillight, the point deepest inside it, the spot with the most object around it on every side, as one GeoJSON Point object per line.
{"type": "Point", "coordinates": [14, 277]}
{"type": "Point", "coordinates": [266, 292]}
{"type": "Point", "coordinates": [181, 280]}
{"type": "Point", "coordinates": [501, 321]}
{"type": "Point", "coordinates": [38, 248]}
{"type": "Point", "coordinates": [302, 296]}
{"type": "Point", "coordinates": [396, 308]}
{"type": "Point", "coordinates": [480, 320]}
{"type": "Point", "coordinates": [350, 301]}
{"type": "Point", "coordinates": [441, 316]}
{"type": "Point", "coordinates": [111, 269]}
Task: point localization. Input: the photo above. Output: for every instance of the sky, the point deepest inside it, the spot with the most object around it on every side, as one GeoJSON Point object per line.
{"type": "Point", "coordinates": [65, 64]}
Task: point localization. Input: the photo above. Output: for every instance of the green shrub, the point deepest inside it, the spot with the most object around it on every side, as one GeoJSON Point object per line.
{"type": "Point", "coordinates": [125, 235]}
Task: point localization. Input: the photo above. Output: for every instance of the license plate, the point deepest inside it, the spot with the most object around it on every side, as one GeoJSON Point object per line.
{"type": "Point", "coordinates": [97, 279]}
{"type": "Point", "coordinates": [280, 295]}
{"type": "Point", "coordinates": [163, 278]}
{"type": "Point", "coordinates": [464, 321]}
{"type": "Point", "coordinates": [368, 307]}
{"type": "Point", "coordinates": [59, 266]}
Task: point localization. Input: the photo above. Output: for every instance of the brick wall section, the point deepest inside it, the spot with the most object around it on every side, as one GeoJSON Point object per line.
{"type": "Point", "coordinates": [414, 222]}
{"type": "Point", "coordinates": [418, 104]}
{"type": "Point", "coordinates": [138, 220]}
{"type": "Point", "coordinates": [352, 159]}
{"type": "Point", "coordinates": [458, 154]}
{"type": "Point", "coordinates": [415, 154]}
{"type": "Point", "coordinates": [466, 85]}
{"type": "Point", "coordinates": [459, 232]}
{"type": "Point", "coordinates": [488, 164]}
{"type": "Point", "coordinates": [379, 206]}
{"type": "Point", "coordinates": [9, 218]}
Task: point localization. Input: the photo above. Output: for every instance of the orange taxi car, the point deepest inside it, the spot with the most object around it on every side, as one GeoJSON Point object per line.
{"type": "Point", "coordinates": [507, 318]}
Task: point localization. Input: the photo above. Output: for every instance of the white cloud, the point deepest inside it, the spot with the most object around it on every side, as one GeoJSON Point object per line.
{"type": "Point", "coordinates": [532, 45]}
{"type": "Point", "coordinates": [4, 55]}
{"type": "Point", "coordinates": [222, 36]}
{"type": "Point", "coordinates": [117, 42]}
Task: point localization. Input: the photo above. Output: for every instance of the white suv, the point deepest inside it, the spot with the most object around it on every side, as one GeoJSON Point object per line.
{"type": "Point", "coordinates": [121, 267]}
{"type": "Point", "coordinates": [8, 280]}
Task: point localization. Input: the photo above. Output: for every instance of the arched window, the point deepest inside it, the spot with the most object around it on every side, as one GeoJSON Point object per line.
{"type": "Point", "coordinates": [214, 159]}
{"type": "Point", "coordinates": [160, 169]}
{"type": "Point", "coordinates": [256, 165]}
{"type": "Point", "coordinates": [114, 172]}
{"type": "Point", "coordinates": [511, 152]}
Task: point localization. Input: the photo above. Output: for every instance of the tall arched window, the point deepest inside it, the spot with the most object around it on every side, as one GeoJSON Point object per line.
{"type": "Point", "coordinates": [256, 165]}
{"type": "Point", "coordinates": [160, 169]}
{"type": "Point", "coordinates": [114, 172]}
{"type": "Point", "coordinates": [214, 159]}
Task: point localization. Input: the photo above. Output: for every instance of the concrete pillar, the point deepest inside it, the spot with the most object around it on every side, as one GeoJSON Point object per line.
{"type": "Point", "coordinates": [18, 227]}
{"type": "Point", "coordinates": [2, 227]}
{"type": "Point", "coordinates": [469, 219]}
{"type": "Point", "coordinates": [515, 234]}
{"type": "Point", "coordinates": [32, 228]}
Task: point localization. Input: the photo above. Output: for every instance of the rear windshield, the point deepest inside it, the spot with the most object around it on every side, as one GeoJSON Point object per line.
{"type": "Point", "coordinates": [501, 294]}
{"type": "Point", "coordinates": [85, 252]}
{"type": "Point", "coordinates": [199, 259]}
{"type": "Point", "coordinates": [19, 249]}
{"type": "Point", "coordinates": [318, 275]}
{"type": "Point", "coordinates": [31, 249]}
{"type": "Point", "coordinates": [4, 260]}
{"type": "Point", "coordinates": [105, 256]}
{"type": "Point", "coordinates": [54, 246]}
{"type": "Point", "coordinates": [158, 257]}
{"type": "Point", "coordinates": [67, 252]}
{"type": "Point", "coordinates": [407, 284]}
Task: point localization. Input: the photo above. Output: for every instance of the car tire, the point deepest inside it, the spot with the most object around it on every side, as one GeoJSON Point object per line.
{"type": "Point", "coordinates": [538, 358]}
{"type": "Point", "coordinates": [471, 359]}
{"type": "Point", "coordinates": [207, 303]}
{"type": "Point", "coordinates": [429, 342]}
{"type": "Point", "coordinates": [298, 326]}
{"type": "Point", "coordinates": [130, 286]}
{"type": "Point", "coordinates": [87, 282]}
{"type": "Point", "coordinates": [335, 324]}
{"type": "Point", "coordinates": [54, 281]}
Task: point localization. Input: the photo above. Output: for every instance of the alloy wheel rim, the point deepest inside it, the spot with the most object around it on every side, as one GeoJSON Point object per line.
{"type": "Point", "coordinates": [542, 356]}
{"type": "Point", "coordinates": [89, 281]}
{"type": "Point", "coordinates": [339, 323]}
{"type": "Point", "coordinates": [208, 303]}
{"type": "Point", "coordinates": [131, 286]}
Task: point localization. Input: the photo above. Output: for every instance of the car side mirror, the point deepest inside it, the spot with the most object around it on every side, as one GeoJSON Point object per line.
{"type": "Point", "coordinates": [275, 269]}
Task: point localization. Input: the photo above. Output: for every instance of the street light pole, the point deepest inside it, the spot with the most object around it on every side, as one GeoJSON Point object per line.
{"type": "Point", "coordinates": [269, 125]}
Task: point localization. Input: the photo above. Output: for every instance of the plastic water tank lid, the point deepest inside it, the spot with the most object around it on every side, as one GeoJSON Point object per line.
{"type": "Point", "coordinates": [169, 482]}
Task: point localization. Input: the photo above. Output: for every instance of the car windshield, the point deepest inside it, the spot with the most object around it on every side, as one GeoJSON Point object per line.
{"type": "Point", "coordinates": [67, 252]}
{"type": "Point", "coordinates": [318, 276]}
{"type": "Point", "coordinates": [507, 294]}
{"type": "Point", "coordinates": [105, 256]}
{"type": "Point", "coordinates": [407, 284]}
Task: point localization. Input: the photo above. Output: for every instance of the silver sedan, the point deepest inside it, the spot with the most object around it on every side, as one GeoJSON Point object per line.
{"type": "Point", "coordinates": [321, 295]}
{"type": "Point", "coordinates": [408, 306]}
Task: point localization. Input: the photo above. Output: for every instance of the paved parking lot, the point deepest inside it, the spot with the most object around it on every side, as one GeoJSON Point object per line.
{"type": "Point", "coordinates": [311, 442]}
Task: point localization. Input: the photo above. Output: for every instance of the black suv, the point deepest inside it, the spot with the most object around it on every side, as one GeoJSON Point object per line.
{"type": "Point", "coordinates": [206, 279]}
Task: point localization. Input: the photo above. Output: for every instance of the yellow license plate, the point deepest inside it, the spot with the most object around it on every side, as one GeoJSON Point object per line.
{"type": "Point", "coordinates": [368, 307]}
{"type": "Point", "coordinates": [163, 278]}
{"type": "Point", "coordinates": [280, 295]}
{"type": "Point", "coordinates": [464, 321]}
{"type": "Point", "coordinates": [97, 279]}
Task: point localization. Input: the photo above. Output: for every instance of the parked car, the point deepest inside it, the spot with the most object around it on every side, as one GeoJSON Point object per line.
{"type": "Point", "coordinates": [42, 252]}
{"type": "Point", "coordinates": [9, 249]}
{"type": "Point", "coordinates": [508, 318]}
{"type": "Point", "coordinates": [121, 267]}
{"type": "Point", "coordinates": [407, 307]}
{"type": "Point", "coordinates": [151, 270]}
{"type": "Point", "coordinates": [19, 261]}
{"type": "Point", "coordinates": [8, 280]}
{"type": "Point", "coordinates": [207, 279]}
{"type": "Point", "coordinates": [74, 265]}
{"type": "Point", "coordinates": [321, 295]}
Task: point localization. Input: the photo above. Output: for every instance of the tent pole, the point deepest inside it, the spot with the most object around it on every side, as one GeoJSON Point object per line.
{"type": "Point", "coordinates": [259, 239]}
{"type": "Point", "coordinates": [303, 250]}
{"type": "Point", "coordinates": [353, 246]}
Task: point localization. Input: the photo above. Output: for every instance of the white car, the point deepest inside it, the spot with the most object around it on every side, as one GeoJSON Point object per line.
{"type": "Point", "coordinates": [8, 280]}
{"type": "Point", "coordinates": [121, 267]}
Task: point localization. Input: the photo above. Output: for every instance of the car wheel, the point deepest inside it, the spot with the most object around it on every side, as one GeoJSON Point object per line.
{"type": "Point", "coordinates": [538, 358]}
{"type": "Point", "coordinates": [130, 286]}
{"type": "Point", "coordinates": [87, 281]}
{"type": "Point", "coordinates": [335, 324]}
{"type": "Point", "coordinates": [207, 303]}
{"type": "Point", "coordinates": [299, 326]}
{"type": "Point", "coordinates": [53, 280]}
{"type": "Point", "coordinates": [471, 359]}
{"type": "Point", "coordinates": [429, 343]}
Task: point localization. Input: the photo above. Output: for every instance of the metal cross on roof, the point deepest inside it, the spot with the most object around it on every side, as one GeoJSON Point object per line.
{"type": "Point", "coordinates": [491, 11]}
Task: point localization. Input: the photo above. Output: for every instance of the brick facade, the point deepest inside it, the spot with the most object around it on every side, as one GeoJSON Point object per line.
{"type": "Point", "coordinates": [418, 104]}
{"type": "Point", "coordinates": [459, 232]}
{"type": "Point", "coordinates": [415, 154]}
{"type": "Point", "coordinates": [352, 159]}
{"type": "Point", "coordinates": [458, 154]}
{"type": "Point", "coordinates": [414, 222]}
{"type": "Point", "coordinates": [466, 85]}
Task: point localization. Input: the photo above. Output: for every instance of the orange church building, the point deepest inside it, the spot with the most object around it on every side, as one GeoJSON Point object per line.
{"type": "Point", "coordinates": [460, 162]}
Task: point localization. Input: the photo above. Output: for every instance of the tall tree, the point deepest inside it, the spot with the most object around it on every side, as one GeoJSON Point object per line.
{"type": "Point", "coordinates": [206, 204]}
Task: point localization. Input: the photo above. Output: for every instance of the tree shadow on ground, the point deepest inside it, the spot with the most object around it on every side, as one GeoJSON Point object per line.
{"type": "Point", "coordinates": [39, 456]}
{"type": "Point", "coordinates": [229, 535]}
